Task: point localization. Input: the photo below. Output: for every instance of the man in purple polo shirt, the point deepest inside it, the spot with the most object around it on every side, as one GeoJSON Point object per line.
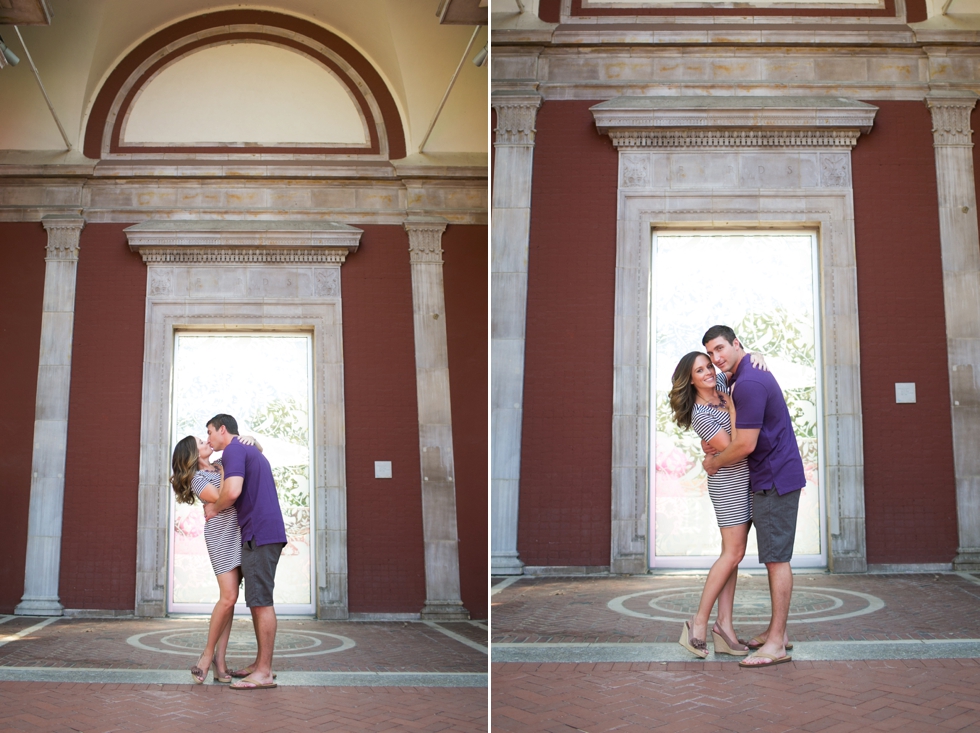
{"type": "Point", "coordinates": [764, 434]}
{"type": "Point", "coordinates": [249, 485]}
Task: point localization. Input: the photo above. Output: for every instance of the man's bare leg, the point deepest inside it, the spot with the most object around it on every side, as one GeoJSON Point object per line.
{"type": "Point", "coordinates": [780, 593]}
{"type": "Point", "coordinates": [265, 623]}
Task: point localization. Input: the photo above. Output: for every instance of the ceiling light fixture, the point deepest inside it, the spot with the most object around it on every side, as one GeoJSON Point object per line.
{"type": "Point", "coordinates": [11, 57]}
{"type": "Point", "coordinates": [481, 57]}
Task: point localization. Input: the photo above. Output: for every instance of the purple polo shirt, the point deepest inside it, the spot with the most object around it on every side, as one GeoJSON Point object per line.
{"type": "Point", "coordinates": [760, 405]}
{"type": "Point", "coordinates": [258, 510]}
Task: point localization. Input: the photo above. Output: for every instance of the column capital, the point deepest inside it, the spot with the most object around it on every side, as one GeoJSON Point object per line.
{"type": "Point", "coordinates": [951, 117]}
{"type": "Point", "coordinates": [63, 233]}
{"type": "Point", "coordinates": [516, 113]}
{"type": "Point", "coordinates": [425, 238]}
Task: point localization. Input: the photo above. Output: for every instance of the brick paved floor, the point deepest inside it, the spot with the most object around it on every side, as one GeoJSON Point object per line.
{"type": "Point", "coordinates": [379, 646]}
{"type": "Point", "coordinates": [818, 697]}
{"type": "Point", "coordinates": [564, 609]}
{"type": "Point", "coordinates": [54, 708]}
{"type": "Point", "coordinates": [824, 697]}
{"type": "Point", "coordinates": [138, 647]}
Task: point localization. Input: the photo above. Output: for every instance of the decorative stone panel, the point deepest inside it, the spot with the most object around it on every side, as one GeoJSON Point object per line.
{"type": "Point", "coordinates": [511, 202]}
{"type": "Point", "coordinates": [44, 523]}
{"type": "Point", "coordinates": [274, 276]}
{"type": "Point", "coordinates": [960, 244]}
{"type": "Point", "coordinates": [440, 533]}
{"type": "Point", "coordinates": [726, 162]}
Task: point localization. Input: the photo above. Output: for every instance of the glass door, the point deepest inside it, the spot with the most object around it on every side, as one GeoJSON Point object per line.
{"type": "Point", "coordinates": [764, 285]}
{"type": "Point", "coordinates": [265, 382]}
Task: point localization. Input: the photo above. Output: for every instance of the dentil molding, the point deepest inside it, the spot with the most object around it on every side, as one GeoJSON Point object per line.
{"type": "Point", "coordinates": [733, 122]}
{"type": "Point", "coordinates": [243, 241]}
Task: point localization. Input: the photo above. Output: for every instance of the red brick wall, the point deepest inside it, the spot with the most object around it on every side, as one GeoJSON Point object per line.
{"type": "Point", "coordinates": [22, 249]}
{"type": "Point", "coordinates": [385, 548]}
{"type": "Point", "coordinates": [549, 10]}
{"type": "Point", "coordinates": [566, 450]}
{"type": "Point", "coordinates": [465, 275]}
{"type": "Point", "coordinates": [915, 11]}
{"type": "Point", "coordinates": [98, 543]}
{"type": "Point", "coordinates": [385, 551]}
{"type": "Point", "coordinates": [910, 493]}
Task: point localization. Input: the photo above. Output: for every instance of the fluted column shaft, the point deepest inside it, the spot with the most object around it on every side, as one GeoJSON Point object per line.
{"type": "Point", "coordinates": [440, 534]}
{"type": "Point", "coordinates": [511, 216]}
{"type": "Point", "coordinates": [952, 139]}
{"type": "Point", "coordinates": [51, 419]}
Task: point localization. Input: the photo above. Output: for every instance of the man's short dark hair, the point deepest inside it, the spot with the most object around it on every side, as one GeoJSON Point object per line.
{"type": "Point", "coordinates": [715, 331]}
{"type": "Point", "coordinates": [226, 421]}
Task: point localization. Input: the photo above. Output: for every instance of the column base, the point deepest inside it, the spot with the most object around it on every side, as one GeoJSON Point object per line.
{"type": "Point", "coordinates": [39, 607]}
{"type": "Point", "coordinates": [332, 612]}
{"type": "Point", "coordinates": [506, 563]}
{"type": "Point", "coordinates": [967, 559]}
{"type": "Point", "coordinates": [444, 611]}
{"type": "Point", "coordinates": [629, 565]}
{"type": "Point", "coordinates": [847, 563]}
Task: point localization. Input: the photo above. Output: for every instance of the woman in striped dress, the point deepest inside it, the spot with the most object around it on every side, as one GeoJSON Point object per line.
{"type": "Point", "coordinates": [195, 477]}
{"type": "Point", "coordinates": [699, 399]}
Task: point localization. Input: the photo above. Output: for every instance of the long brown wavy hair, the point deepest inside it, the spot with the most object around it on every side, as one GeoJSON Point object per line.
{"type": "Point", "coordinates": [682, 392]}
{"type": "Point", "coordinates": [184, 464]}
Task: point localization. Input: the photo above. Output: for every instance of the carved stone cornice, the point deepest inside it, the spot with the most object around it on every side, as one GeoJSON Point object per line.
{"type": "Point", "coordinates": [243, 241]}
{"type": "Point", "coordinates": [232, 253]}
{"type": "Point", "coordinates": [733, 122]}
{"type": "Point", "coordinates": [425, 239]}
{"type": "Point", "coordinates": [700, 139]}
{"type": "Point", "coordinates": [951, 118]}
{"type": "Point", "coordinates": [63, 234]}
{"type": "Point", "coordinates": [516, 113]}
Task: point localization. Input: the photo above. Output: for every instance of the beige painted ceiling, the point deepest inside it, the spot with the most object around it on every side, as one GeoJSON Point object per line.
{"type": "Point", "coordinates": [403, 39]}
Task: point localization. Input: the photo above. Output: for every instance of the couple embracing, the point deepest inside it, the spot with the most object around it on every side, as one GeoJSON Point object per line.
{"type": "Point", "coordinates": [245, 535]}
{"type": "Point", "coordinates": [755, 474]}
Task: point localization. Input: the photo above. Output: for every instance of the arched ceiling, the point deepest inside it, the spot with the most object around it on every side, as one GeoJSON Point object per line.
{"type": "Point", "coordinates": [403, 39]}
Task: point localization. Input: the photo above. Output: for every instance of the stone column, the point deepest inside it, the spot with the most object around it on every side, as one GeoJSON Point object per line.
{"type": "Point", "coordinates": [952, 139]}
{"type": "Point", "coordinates": [511, 216]}
{"type": "Point", "coordinates": [51, 419]}
{"type": "Point", "coordinates": [442, 597]}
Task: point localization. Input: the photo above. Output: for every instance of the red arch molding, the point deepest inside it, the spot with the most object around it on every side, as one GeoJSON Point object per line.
{"type": "Point", "coordinates": [103, 103]}
{"type": "Point", "coordinates": [551, 6]}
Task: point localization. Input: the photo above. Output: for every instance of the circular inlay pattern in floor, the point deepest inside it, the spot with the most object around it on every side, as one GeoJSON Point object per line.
{"type": "Point", "coordinates": [809, 605]}
{"type": "Point", "coordinates": [190, 642]}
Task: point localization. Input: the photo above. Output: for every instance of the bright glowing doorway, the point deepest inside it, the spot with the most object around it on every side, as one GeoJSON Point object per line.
{"type": "Point", "coordinates": [264, 381]}
{"type": "Point", "coordinates": [764, 285]}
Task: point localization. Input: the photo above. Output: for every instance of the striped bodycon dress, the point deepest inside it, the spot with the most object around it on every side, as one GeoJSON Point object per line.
{"type": "Point", "coordinates": [729, 488]}
{"type": "Point", "coordinates": [222, 534]}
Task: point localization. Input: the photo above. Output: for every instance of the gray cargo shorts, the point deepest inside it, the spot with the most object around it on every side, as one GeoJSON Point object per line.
{"type": "Point", "coordinates": [259, 570]}
{"type": "Point", "coordinates": [775, 524]}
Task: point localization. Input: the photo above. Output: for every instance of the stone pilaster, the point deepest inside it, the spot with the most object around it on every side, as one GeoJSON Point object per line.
{"type": "Point", "coordinates": [952, 139]}
{"type": "Point", "coordinates": [51, 419]}
{"type": "Point", "coordinates": [511, 216]}
{"type": "Point", "coordinates": [442, 595]}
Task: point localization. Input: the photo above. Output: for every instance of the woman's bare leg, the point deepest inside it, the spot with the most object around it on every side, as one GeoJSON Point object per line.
{"type": "Point", "coordinates": [221, 616]}
{"type": "Point", "coordinates": [222, 646]}
{"type": "Point", "coordinates": [720, 584]}
{"type": "Point", "coordinates": [726, 603]}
